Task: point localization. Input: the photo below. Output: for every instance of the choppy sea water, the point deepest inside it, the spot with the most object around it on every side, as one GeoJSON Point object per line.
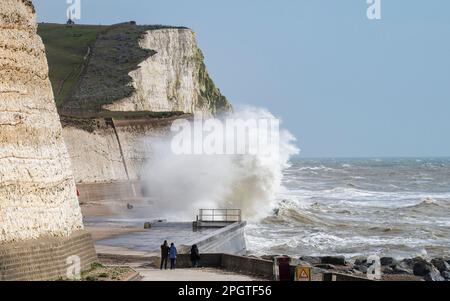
{"type": "Point", "coordinates": [353, 207]}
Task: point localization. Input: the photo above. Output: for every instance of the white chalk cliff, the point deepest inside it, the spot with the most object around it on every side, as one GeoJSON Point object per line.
{"type": "Point", "coordinates": [37, 188]}
{"type": "Point", "coordinates": [173, 79]}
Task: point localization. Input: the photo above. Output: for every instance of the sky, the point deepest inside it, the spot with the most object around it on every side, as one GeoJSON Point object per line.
{"type": "Point", "coordinates": [344, 85]}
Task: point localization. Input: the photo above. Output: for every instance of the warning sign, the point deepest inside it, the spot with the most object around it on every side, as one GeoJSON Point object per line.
{"type": "Point", "coordinates": [303, 274]}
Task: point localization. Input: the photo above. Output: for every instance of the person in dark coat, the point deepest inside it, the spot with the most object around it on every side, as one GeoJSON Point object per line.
{"type": "Point", "coordinates": [164, 254]}
{"type": "Point", "coordinates": [172, 255]}
{"type": "Point", "coordinates": [195, 256]}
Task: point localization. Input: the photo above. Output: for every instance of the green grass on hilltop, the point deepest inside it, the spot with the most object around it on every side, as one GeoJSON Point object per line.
{"type": "Point", "coordinates": [89, 66]}
{"type": "Point", "coordinates": [66, 48]}
{"type": "Point", "coordinates": [106, 79]}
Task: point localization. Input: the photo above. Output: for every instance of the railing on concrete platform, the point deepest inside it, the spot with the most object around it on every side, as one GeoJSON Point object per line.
{"type": "Point", "coordinates": [220, 215]}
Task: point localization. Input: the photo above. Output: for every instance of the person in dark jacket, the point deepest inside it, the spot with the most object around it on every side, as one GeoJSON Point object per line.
{"type": "Point", "coordinates": [164, 254]}
{"type": "Point", "coordinates": [195, 256]}
{"type": "Point", "coordinates": [172, 255]}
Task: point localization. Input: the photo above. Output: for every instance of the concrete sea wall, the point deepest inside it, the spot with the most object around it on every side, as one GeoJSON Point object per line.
{"type": "Point", "coordinates": [45, 258]}
{"type": "Point", "coordinates": [230, 239]}
{"type": "Point", "coordinates": [233, 263]}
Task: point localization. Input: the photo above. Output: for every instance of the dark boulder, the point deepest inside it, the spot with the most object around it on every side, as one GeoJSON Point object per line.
{"type": "Point", "coordinates": [402, 269]}
{"type": "Point", "coordinates": [446, 275]}
{"type": "Point", "coordinates": [360, 261]}
{"type": "Point", "coordinates": [441, 264]}
{"type": "Point", "coordinates": [422, 267]}
{"type": "Point", "coordinates": [388, 261]}
{"type": "Point", "coordinates": [301, 263]}
{"type": "Point", "coordinates": [269, 257]}
{"type": "Point", "coordinates": [387, 270]}
{"type": "Point", "coordinates": [335, 260]}
{"type": "Point", "coordinates": [407, 263]}
{"type": "Point", "coordinates": [361, 268]}
{"type": "Point", "coordinates": [349, 268]}
{"type": "Point", "coordinates": [434, 275]}
{"type": "Point", "coordinates": [311, 260]}
{"type": "Point", "coordinates": [325, 266]}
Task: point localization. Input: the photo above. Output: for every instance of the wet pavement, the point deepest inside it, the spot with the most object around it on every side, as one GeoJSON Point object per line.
{"type": "Point", "coordinates": [148, 240]}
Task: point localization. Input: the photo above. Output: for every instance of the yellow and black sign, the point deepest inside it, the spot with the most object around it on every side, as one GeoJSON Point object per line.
{"type": "Point", "coordinates": [303, 274]}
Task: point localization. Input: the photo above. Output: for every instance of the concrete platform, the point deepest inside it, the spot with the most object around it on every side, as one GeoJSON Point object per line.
{"type": "Point", "coordinates": [192, 275]}
{"type": "Point", "coordinates": [150, 240]}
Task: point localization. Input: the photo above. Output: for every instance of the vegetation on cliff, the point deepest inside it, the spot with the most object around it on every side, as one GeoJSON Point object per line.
{"type": "Point", "coordinates": [208, 91]}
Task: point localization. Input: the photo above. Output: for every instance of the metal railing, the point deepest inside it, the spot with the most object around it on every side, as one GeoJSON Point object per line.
{"type": "Point", "coordinates": [220, 215]}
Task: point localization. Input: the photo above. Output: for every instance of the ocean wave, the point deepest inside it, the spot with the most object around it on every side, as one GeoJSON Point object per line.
{"type": "Point", "coordinates": [354, 196]}
{"type": "Point", "coordinates": [394, 208]}
{"type": "Point", "coordinates": [315, 168]}
{"type": "Point", "coordinates": [430, 204]}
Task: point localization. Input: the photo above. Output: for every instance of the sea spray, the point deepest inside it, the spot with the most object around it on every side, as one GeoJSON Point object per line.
{"type": "Point", "coordinates": [180, 184]}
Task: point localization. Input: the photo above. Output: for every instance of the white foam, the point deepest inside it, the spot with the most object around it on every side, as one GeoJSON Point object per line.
{"type": "Point", "coordinates": [182, 184]}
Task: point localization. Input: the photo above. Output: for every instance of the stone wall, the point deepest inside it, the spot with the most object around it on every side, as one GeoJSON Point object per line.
{"type": "Point", "coordinates": [45, 258]}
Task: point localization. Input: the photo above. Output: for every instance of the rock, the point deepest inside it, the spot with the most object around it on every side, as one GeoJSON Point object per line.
{"type": "Point", "coordinates": [335, 260]}
{"type": "Point", "coordinates": [325, 266]}
{"type": "Point", "coordinates": [387, 270]}
{"type": "Point", "coordinates": [441, 264]}
{"type": "Point", "coordinates": [348, 268]}
{"type": "Point", "coordinates": [147, 225]}
{"type": "Point", "coordinates": [399, 269]}
{"type": "Point", "coordinates": [361, 268]}
{"type": "Point", "coordinates": [388, 261]}
{"type": "Point", "coordinates": [446, 275]}
{"type": "Point", "coordinates": [434, 275]}
{"type": "Point", "coordinates": [357, 272]}
{"type": "Point", "coordinates": [130, 207]}
{"type": "Point", "coordinates": [422, 267]}
{"type": "Point", "coordinates": [360, 261]}
{"type": "Point", "coordinates": [407, 263]}
{"type": "Point", "coordinates": [269, 257]}
{"type": "Point", "coordinates": [311, 260]}
{"type": "Point", "coordinates": [303, 263]}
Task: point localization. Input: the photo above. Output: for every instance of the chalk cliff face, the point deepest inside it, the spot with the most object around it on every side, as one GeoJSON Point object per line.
{"type": "Point", "coordinates": [174, 78]}
{"type": "Point", "coordinates": [37, 188]}
{"type": "Point", "coordinates": [111, 151]}
{"type": "Point", "coordinates": [95, 155]}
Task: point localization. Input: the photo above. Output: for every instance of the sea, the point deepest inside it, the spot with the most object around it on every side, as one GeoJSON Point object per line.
{"type": "Point", "coordinates": [397, 207]}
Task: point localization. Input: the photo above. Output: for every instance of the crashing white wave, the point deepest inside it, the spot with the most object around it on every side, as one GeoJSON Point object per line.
{"type": "Point", "coordinates": [179, 185]}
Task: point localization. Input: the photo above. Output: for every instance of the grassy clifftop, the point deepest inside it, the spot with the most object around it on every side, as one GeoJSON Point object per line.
{"type": "Point", "coordinates": [67, 50]}
{"type": "Point", "coordinates": [106, 79]}
{"type": "Point", "coordinates": [89, 65]}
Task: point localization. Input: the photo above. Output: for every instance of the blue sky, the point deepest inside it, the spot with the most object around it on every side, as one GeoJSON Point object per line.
{"type": "Point", "coordinates": [345, 86]}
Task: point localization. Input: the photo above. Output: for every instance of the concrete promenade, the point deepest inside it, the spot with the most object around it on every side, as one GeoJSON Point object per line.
{"type": "Point", "coordinates": [208, 274]}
